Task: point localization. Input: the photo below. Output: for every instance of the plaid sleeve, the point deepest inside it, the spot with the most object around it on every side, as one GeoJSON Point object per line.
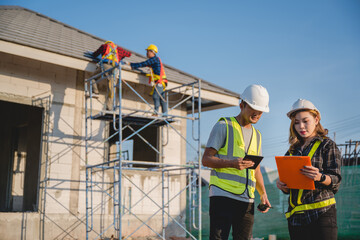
{"type": "Point", "coordinates": [146, 63]}
{"type": "Point", "coordinates": [99, 51]}
{"type": "Point", "coordinates": [123, 53]}
{"type": "Point", "coordinates": [332, 163]}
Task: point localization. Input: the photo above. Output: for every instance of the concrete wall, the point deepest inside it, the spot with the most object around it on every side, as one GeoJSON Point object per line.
{"type": "Point", "coordinates": [24, 80]}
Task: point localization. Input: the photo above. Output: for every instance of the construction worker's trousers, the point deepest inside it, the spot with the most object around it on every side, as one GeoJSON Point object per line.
{"type": "Point", "coordinates": [323, 228]}
{"type": "Point", "coordinates": [227, 213]}
{"type": "Point", "coordinates": [111, 81]}
{"type": "Point", "coordinates": [158, 100]}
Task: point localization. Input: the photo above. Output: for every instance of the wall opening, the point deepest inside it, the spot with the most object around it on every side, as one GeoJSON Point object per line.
{"type": "Point", "coordinates": [137, 149]}
{"type": "Point", "coordinates": [20, 141]}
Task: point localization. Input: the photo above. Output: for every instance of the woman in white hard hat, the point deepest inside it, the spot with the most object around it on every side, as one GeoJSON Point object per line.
{"type": "Point", "coordinates": [312, 213]}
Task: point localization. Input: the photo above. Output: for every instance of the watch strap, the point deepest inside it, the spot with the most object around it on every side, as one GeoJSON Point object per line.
{"type": "Point", "coordinates": [322, 178]}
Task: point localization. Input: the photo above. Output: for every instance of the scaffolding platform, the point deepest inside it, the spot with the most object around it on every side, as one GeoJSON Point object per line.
{"type": "Point", "coordinates": [134, 119]}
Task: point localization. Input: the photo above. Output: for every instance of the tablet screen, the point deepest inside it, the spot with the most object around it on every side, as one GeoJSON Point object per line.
{"type": "Point", "coordinates": [255, 159]}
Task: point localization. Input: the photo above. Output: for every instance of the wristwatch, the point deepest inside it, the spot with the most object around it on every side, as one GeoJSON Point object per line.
{"type": "Point", "coordinates": [322, 178]}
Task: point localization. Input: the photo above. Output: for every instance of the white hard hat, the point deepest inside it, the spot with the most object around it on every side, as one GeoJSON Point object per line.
{"type": "Point", "coordinates": [302, 104]}
{"type": "Point", "coordinates": [257, 97]}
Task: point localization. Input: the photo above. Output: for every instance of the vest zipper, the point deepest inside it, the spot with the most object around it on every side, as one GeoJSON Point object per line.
{"type": "Point", "coordinates": [247, 182]}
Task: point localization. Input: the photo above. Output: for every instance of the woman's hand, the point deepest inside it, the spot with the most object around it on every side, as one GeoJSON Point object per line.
{"type": "Point", "coordinates": [311, 172]}
{"type": "Point", "coordinates": [282, 186]}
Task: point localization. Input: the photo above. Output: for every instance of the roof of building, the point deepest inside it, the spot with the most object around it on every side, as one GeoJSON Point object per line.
{"type": "Point", "coordinates": [26, 27]}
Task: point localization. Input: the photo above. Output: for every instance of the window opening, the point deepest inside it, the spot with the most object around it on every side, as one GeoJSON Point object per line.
{"type": "Point", "coordinates": [136, 149]}
{"type": "Point", "coordinates": [20, 139]}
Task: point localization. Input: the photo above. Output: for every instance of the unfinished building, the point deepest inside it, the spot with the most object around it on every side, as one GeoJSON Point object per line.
{"type": "Point", "coordinates": [58, 174]}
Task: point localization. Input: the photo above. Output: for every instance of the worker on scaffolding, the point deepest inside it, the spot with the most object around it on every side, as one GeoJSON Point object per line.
{"type": "Point", "coordinates": [111, 55]}
{"type": "Point", "coordinates": [232, 181]}
{"type": "Point", "coordinates": [157, 77]}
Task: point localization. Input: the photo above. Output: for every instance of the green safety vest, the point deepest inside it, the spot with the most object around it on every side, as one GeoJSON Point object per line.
{"type": "Point", "coordinates": [231, 179]}
{"type": "Point", "coordinates": [297, 207]}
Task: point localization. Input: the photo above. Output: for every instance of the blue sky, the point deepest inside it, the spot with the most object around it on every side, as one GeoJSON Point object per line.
{"type": "Point", "coordinates": [296, 49]}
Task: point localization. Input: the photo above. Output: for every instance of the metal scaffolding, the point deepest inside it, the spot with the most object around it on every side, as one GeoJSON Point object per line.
{"type": "Point", "coordinates": [110, 187]}
{"type": "Point", "coordinates": [351, 153]}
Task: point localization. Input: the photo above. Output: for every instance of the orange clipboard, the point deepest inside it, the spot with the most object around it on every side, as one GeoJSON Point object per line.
{"type": "Point", "coordinates": [289, 171]}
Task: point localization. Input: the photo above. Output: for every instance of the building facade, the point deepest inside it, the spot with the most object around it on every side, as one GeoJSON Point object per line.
{"type": "Point", "coordinates": [44, 157]}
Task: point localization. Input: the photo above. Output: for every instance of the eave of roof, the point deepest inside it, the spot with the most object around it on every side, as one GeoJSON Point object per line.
{"type": "Point", "coordinates": [26, 27]}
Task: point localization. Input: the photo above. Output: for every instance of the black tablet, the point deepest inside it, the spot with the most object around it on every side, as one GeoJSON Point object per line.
{"type": "Point", "coordinates": [255, 159]}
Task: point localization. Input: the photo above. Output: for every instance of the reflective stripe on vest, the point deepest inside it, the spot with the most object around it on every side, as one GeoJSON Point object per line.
{"type": "Point", "coordinates": [158, 78]}
{"type": "Point", "coordinates": [311, 206]}
{"type": "Point", "coordinates": [231, 179]}
{"type": "Point", "coordinates": [111, 53]}
{"type": "Point", "coordinates": [298, 207]}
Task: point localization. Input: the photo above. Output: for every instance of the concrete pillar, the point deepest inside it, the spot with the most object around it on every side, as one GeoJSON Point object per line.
{"type": "Point", "coordinates": [76, 153]}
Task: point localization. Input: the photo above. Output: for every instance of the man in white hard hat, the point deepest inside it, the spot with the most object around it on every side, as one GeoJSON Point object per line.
{"type": "Point", "coordinates": [232, 181]}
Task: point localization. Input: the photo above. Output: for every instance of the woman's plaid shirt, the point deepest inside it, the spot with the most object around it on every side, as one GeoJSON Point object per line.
{"type": "Point", "coordinates": [327, 159]}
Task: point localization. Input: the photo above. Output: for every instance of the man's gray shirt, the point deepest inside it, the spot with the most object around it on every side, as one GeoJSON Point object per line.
{"type": "Point", "coordinates": [216, 141]}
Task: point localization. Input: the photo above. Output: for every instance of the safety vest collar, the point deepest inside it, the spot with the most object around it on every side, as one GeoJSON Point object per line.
{"type": "Point", "coordinates": [235, 145]}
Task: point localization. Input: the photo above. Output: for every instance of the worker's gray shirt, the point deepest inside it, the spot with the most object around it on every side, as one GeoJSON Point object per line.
{"type": "Point", "coordinates": [216, 141]}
